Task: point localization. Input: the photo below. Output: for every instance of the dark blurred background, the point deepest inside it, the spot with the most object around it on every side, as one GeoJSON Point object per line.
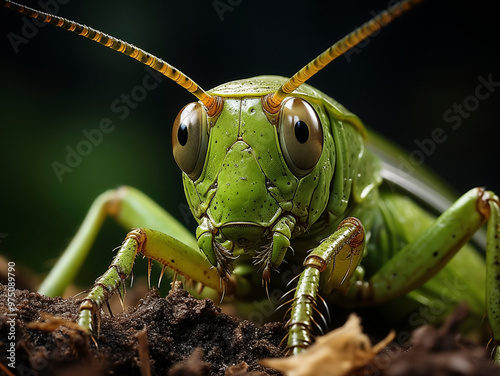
{"type": "Point", "coordinates": [57, 85]}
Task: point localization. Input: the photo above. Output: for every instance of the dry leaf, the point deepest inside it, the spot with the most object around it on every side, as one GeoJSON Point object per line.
{"type": "Point", "coordinates": [337, 353]}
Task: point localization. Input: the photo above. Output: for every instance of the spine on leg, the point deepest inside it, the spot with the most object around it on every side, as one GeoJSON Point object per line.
{"type": "Point", "coordinates": [111, 281]}
{"type": "Point", "coordinates": [304, 303]}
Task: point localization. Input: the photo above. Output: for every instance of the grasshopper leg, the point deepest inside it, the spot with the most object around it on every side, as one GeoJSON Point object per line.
{"type": "Point", "coordinates": [420, 260]}
{"type": "Point", "coordinates": [493, 274]}
{"type": "Point", "coordinates": [343, 248]}
{"type": "Point", "coordinates": [155, 245]}
{"type": "Point", "coordinates": [130, 208]}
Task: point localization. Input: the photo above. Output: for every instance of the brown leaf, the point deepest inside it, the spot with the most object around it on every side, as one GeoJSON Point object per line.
{"type": "Point", "coordinates": [337, 353]}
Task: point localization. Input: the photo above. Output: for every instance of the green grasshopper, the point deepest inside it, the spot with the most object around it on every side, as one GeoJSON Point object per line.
{"type": "Point", "coordinates": [272, 169]}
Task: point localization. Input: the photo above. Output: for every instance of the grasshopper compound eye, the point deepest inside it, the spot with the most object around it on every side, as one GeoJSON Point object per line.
{"type": "Point", "coordinates": [301, 136]}
{"type": "Point", "coordinates": [190, 139]}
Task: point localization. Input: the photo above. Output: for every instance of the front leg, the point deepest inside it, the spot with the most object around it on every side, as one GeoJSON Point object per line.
{"type": "Point", "coordinates": [128, 207]}
{"type": "Point", "coordinates": [343, 251]}
{"type": "Point", "coordinates": [155, 245]}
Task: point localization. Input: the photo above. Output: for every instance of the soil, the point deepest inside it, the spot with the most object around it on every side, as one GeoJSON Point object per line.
{"type": "Point", "coordinates": [180, 335]}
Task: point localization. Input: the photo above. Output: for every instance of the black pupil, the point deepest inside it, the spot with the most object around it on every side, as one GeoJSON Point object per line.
{"type": "Point", "coordinates": [301, 131]}
{"type": "Point", "coordinates": [182, 134]}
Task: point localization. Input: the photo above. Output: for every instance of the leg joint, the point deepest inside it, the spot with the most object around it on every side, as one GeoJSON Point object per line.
{"type": "Point", "coordinates": [357, 239]}
{"type": "Point", "coordinates": [139, 235]}
{"type": "Point", "coordinates": [484, 200]}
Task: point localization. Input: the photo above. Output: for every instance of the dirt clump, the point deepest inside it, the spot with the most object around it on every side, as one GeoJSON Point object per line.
{"type": "Point", "coordinates": [180, 335]}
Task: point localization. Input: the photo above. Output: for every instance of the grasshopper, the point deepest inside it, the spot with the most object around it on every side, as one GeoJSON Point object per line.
{"type": "Point", "coordinates": [259, 198]}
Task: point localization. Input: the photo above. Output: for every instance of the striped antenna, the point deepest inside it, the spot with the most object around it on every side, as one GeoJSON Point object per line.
{"type": "Point", "coordinates": [213, 104]}
{"type": "Point", "coordinates": [272, 102]}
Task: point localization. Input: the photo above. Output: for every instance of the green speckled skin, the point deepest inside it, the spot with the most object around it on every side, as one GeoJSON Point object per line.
{"type": "Point", "coordinates": [245, 178]}
{"type": "Point", "coordinates": [256, 216]}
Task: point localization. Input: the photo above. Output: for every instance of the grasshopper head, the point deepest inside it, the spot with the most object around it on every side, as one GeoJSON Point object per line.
{"type": "Point", "coordinates": [253, 181]}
